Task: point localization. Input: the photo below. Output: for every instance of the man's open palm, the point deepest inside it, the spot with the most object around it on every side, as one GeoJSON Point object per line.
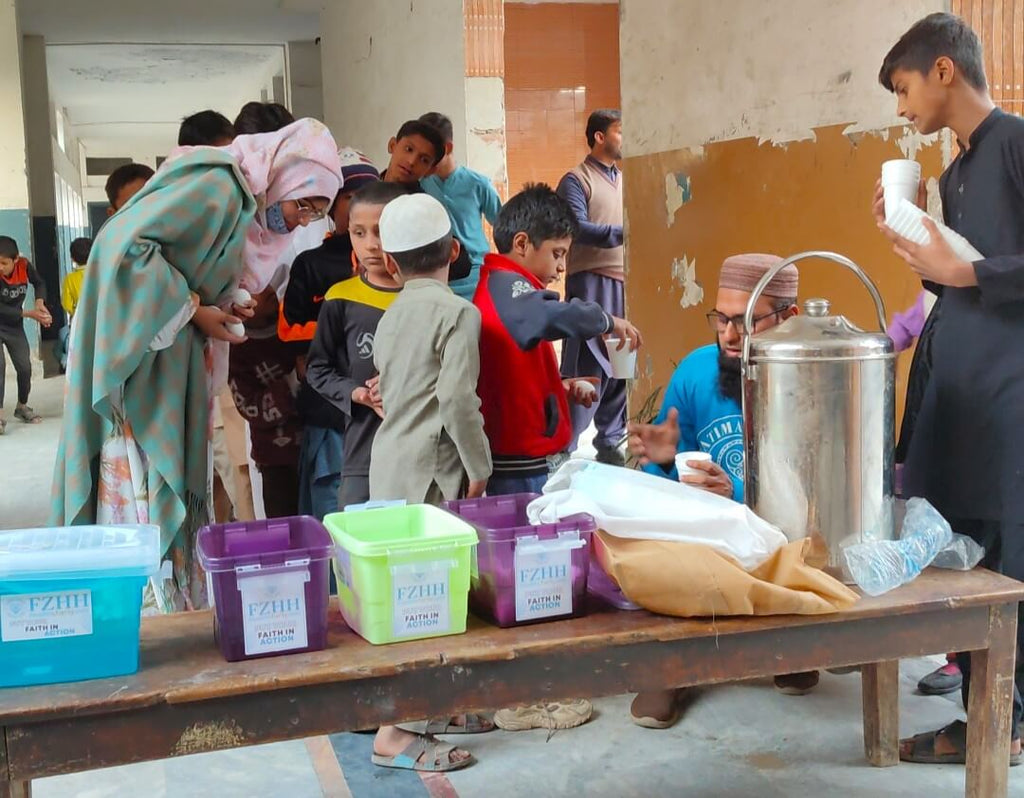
{"type": "Point", "coordinates": [656, 443]}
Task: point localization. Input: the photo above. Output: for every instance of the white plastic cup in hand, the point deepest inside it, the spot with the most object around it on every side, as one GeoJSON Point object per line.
{"type": "Point", "coordinates": [900, 180]}
{"type": "Point", "coordinates": [685, 470]}
{"type": "Point", "coordinates": [623, 361]}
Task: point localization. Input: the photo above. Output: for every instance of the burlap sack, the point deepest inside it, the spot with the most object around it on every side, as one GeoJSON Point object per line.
{"type": "Point", "coordinates": [691, 580]}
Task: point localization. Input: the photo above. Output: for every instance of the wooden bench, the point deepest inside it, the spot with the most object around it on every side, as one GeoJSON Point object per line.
{"type": "Point", "coordinates": [186, 699]}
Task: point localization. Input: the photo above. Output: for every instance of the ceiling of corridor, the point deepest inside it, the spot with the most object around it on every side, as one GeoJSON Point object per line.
{"type": "Point", "coordinates": [131, 69]}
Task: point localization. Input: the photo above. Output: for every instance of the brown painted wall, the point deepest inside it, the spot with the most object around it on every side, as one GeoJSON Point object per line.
{"type": "Point", "coordinates": [1000, 24]}
{"type": "Point", "coordinates": [561, 62]}
{"type": "Point", "coordinates": [750, 197]}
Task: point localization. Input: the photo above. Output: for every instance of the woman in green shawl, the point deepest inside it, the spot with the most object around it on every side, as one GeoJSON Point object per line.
{"type": "Point", "coordinates": [150, 332]}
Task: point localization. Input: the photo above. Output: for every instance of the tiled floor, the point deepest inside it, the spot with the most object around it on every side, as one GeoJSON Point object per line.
{"type": "Point", "coordinates": [735, 741]}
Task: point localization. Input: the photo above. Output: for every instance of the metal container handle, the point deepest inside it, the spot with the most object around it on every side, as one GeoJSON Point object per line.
{"type": "Point", "coordinates": [748, 317]}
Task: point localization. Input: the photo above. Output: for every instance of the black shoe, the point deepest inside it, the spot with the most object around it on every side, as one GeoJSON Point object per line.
{"type": "Point", "coordinates": [941, 681]}
{"type": "Point", "coordinates": [796, 683]}
{"type": "Point", "coordinates": [610, 455]}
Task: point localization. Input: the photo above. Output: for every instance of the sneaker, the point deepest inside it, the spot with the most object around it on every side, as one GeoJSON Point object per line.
{"type": "Point", "coordinates": [610, 455]}
{"type": "Point", "coordinates": [555, 715]}
{"type": "Point", "coordinates": [796, 683]}
{"type": "Point", "coordinates": [940, 681]}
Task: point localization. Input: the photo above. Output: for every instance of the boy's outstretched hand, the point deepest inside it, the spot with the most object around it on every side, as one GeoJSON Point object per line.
{"type": "Point", "coordinates": [476, 488]}
{"type": "Point", "coordinates": [655, 443]}
{"type": "Point", "coordinates": [625, 331]}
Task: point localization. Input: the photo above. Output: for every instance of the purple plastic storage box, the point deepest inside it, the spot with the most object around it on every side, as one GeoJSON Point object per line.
{"type": "Point", "coordinates": [526, 573]}
{"type": "Point", "coordinates": [603, 587]}
{"type": "Point", "coordinates": [268, 582]}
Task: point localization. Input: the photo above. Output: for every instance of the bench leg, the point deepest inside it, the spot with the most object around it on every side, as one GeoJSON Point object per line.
{"type": "Point", "coordinates": [15, 789]}
{"type": "Point", "coordinates": [880, 689]}
{"type": "Point", "coordinates": [990, 707]}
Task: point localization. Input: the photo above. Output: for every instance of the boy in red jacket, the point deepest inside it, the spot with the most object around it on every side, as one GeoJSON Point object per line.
{"type": "Point", "coordinates": [525, 402]}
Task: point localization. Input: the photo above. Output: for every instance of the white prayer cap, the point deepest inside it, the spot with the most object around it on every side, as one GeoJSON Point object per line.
{"type": "Point", "coordinates": [411, 222]}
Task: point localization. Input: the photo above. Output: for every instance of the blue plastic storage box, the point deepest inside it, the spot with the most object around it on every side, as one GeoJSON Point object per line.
{"type": "Point", "coordinates": [70, 601]}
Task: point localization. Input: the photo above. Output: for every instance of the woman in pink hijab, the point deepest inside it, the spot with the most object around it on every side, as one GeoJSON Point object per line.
{"type": "Point", "coordinates": [165, 269]}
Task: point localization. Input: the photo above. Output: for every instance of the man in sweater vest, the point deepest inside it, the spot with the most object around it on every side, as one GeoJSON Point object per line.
{"type": "Point", "coordinates": [594, 190]}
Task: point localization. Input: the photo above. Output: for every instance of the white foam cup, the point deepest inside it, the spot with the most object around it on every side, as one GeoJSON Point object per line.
{"type": "Point", "coordinates": [684, 457]}
{"type": "Point", "coordinates": [623, 361]}
{"type": "Point", "coordinates": [900, 180]}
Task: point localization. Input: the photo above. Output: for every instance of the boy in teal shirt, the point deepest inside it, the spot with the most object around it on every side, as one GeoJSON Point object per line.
{"type": "Point", "coordinates": [467, 196]}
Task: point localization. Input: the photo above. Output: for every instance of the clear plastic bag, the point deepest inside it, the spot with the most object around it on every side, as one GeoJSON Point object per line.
{"type": "Point", "coordinates": [878, 566]}
{"type": "Point", "coordinates": [961, 555]}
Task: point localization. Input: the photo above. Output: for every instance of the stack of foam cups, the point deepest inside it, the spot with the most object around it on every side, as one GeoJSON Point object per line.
{"type": "Point", "coordinates": [900, 180]}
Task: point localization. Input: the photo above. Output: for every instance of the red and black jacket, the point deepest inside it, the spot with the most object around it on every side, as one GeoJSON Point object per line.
{"type": "Point", "coordinates": [524, 403]}
{"type": "Point", "coordinates": [13, 289]}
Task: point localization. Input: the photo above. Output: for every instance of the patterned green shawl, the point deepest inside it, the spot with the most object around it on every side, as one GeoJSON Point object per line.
{"type": "Point", "coordinates": [184, 231]}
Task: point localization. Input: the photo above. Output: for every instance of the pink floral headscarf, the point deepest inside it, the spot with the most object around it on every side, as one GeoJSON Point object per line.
{"type": "Point", "coordinates": [296, 162]}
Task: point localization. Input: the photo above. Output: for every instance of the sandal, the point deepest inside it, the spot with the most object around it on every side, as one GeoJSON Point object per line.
{"type": "Point", "coordinates": [27, 414]}
{"type": "Point", "coordinates": [923, 747]}
{"type": "Point", "coordinates": [472, 723]}
{"type": "Point", "coordinates": [437, 759]}
{"type": "Point", "coordinates": [3, 426]}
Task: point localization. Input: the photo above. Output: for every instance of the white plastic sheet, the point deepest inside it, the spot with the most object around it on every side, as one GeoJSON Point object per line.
{"type": "Point", "coordinates": [634, 504]}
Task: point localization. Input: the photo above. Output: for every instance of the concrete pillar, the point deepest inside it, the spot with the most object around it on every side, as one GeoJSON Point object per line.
{"type": "Point", "coordinates": [485, 90]}
{"type": "Point", "coordinates": [388, 61]}
{"type": "Point", "coordinates": [14, 194]}
{"type": "Point", "coordinates": [42, 195]}
{"type": "Point", "coordinates": [760, 128]}
{"type": "Point", "coordinates": [305, 76]}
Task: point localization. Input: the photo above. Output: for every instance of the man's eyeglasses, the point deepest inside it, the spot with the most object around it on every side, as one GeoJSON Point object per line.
{"type": "Point", "coordinates": [310, 211]}
{"type": "Point", "coordinates": [718, 322]}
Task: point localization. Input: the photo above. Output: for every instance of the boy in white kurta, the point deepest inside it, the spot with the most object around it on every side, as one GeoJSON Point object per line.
{"type": "Point", "coordinates": [431, 444]}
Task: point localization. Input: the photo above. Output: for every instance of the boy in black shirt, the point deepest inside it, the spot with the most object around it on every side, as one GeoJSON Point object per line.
{"type": "Point", "coordinates": [312, 275]}
{"type": "Point", "coordinates": [340, 365]}
{"type": "Point", "coordinates": [966, 454]}
{"type": "Point", "coordinates": [15, 275]}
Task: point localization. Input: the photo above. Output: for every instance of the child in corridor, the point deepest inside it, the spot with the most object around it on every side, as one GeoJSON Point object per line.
{"type": "Point", "coordinates": [16, 274]}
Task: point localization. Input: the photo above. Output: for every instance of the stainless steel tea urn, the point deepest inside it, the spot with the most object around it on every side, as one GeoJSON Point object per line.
{"type": "Point", "coordinates": [819, 418]}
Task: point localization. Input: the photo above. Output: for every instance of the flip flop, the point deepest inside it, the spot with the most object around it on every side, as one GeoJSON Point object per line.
{"type": "Point", "coordinates": [923, 747]}
{"type": "Point", "coordinates": [27, 414]}
{"type": "Point", "coordinates": [437, 758]}
{"type": "Point", "coordinates": [3, 426]}
{"type": "Point", "coordinates": [472, 723]}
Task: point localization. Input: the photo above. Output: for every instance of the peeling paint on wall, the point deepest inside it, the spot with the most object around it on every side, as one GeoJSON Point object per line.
{"type": "Point", "coordinates": [684, 274]}
{"type": "Point", "coordinates": [911, 142]}
{"type": "Point", "coordinates": [741, 191]}
{"type": "Point", "coordinates": [677, 193]}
